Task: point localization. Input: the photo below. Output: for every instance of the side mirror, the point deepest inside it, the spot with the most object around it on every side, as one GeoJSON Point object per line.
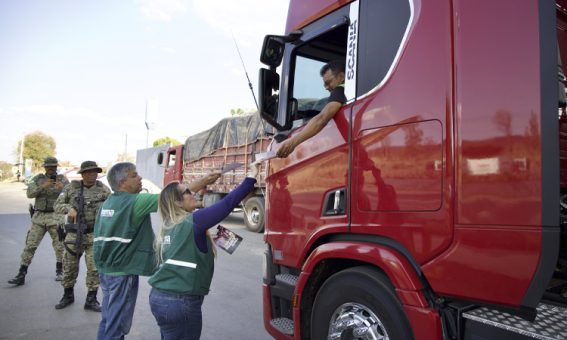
{"type": "Point", "coordinates": [160, 158]}
{"type": "Point", "coordinates": [272, 51]}
{"type": "Point", "coordinates": [269, 83]}
{"type": "Point", "coordinates": [274, 46]}
{"type": "Point", "coordinates": [292, 108]}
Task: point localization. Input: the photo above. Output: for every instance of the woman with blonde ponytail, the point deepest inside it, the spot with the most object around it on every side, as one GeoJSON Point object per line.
{"type": "Point", "coordinates": [186, 254]}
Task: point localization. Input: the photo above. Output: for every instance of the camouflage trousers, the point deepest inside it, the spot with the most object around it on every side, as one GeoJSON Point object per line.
{"type": "Point", "coordinates": [33, 239]}
{"type": "Point", "coordinates": [71, 263]}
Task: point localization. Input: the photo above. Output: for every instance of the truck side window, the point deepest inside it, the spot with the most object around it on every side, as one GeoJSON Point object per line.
{"type": "Point", "coordinates": [306, 83]}
{"type": "Point", "coordinates": [171, 161]}
{"type": "Point", "coordinates": [383, 25]}
{"type": "Point", "coordinates": [311, 96]}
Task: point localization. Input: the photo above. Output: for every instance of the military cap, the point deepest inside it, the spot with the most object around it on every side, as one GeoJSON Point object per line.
{"type": "Point", "coordinates": [89, 165]}
{"type": "Point", "coordinates": [50, 161]}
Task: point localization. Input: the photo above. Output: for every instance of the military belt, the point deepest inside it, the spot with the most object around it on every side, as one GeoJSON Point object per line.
{"type": "Point", "coordinates": [72, 228]}
{"type": "Point", "coordinates": [46, 210]}
{"type": "Point", "coordinates": [87, 231]}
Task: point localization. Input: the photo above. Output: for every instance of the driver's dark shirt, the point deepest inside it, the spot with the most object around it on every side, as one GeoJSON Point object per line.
{"type": "Point", "coordinates": [338, 94]}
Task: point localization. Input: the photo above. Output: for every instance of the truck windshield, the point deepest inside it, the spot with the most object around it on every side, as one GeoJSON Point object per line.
{"type": "Point", "coordinates": [308, 87]}
{"type": "Point", "coordinates": [308, 59]}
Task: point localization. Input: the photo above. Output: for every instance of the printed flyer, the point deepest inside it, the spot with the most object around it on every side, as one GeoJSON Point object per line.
{"type": "Point", "coordinates": [227, 239]}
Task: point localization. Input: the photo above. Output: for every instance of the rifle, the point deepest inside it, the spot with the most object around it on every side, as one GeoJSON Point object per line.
{"type": "Point", "coordinates": [79, 228]}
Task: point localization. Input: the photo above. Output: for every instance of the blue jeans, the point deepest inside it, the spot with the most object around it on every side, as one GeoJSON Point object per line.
{"type": "Point", "coordinates": [178, 316]}
{"type": "Point", "coordinates": [119, 295]}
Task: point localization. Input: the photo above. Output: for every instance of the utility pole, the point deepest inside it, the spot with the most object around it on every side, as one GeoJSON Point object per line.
{"type": "Point", "coordinates": [152, 109]}
{"type": "Point", "coordinates": [21, 160]}
{"type": "Point", "coordinates": [147, 126]}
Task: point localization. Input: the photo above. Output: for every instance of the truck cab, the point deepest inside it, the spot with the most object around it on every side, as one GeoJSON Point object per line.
{"type": "Point", "coordinates": [430, 206]}
{"type": "Point", "coordinates": [173, 164]}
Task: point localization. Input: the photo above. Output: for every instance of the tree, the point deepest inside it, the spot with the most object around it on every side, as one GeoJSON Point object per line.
{"type": "Point", "coordinates": [533, 126]}
{"type": "Point", "coordinates": [241, 112]}
{"type": "Point", "coordinates": [5, 170]}
{"type": "Point", "coordinates": [503, 121]}
{"type": "Point", "coordinates": [236, 112]}
{"type": "Point", "coordinates": [166, 140]}
{"type": "Point", "coordinates": [37, 146]}
{"type": "Point", "coordinates": [414, 135]}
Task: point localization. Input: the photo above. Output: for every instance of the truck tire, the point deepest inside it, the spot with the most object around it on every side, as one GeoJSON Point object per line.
{"type": "Point", "coordinates": [254, 214]}
{"type": "Point", "coordinates": [354, 298]}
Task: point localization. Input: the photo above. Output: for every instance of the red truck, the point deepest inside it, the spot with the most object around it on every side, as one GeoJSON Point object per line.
{"type": "Point", "coordinates": [431, 206]}
{"type": "Point", "coordinates": [232, 140]}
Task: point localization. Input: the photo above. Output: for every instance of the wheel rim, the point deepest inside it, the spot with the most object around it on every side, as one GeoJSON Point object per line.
{"type": "Point", "coordinates": [253, 216]}
{"type": "Point", "coordinates": [357, 322]}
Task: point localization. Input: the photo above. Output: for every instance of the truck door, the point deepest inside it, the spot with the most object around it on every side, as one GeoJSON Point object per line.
{"type": "Point", "coordinates": [173, 165]}
{"type": "Point", "coordinates": [402, 127]}
{"type": "Point", "coordinates": [307, 190]}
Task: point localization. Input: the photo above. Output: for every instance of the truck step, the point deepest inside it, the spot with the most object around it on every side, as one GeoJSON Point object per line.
{"type": "Point", "coordinates": [550, 323]}
{"type": "Point", "coordinates": [283, 325]}
{"type": "Point", "coordinates": [288, 279]}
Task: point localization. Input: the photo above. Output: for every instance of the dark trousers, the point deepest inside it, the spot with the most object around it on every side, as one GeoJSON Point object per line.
{"type": "Point", "coordinates": [119, 294]}
{"type": "Point", "coordinates": [178, 316]}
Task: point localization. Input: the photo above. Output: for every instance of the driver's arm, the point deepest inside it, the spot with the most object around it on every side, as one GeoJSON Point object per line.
{"type": "Point", "coordinates": [315, 125]}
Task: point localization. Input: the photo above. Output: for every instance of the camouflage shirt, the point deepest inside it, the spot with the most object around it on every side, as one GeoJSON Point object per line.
{"type": "Point", "coordinates": [44, 198]}
{"type": "Point", "coordinates": [94, 197]}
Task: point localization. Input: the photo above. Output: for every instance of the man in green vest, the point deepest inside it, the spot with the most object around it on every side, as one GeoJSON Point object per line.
{"type": "Point", "coordinates": [45, 189]}
{"type": "Point", "coordinates": [123, 246]}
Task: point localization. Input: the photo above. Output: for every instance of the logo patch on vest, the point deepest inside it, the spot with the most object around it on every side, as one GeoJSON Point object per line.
{"type": "Point", "coordinates": [107, 212]}
{"type": "Point", "coordinates": [166, 239]}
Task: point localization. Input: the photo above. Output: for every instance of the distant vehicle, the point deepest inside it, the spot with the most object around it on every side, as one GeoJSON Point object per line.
{"type": "Point", "coordinates": [72, 174]}
{"type": "Point", "coordinates": [232, 140]}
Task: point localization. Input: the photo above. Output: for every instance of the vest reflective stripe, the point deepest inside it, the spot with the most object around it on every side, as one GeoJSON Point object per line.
{"type": "Point", "coordinates": [119, 239]}
{"type": "Point", "coordinates": [181, 263]}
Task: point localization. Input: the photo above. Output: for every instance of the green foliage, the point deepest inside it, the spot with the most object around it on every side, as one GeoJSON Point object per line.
{"type": "Point", "coordinates": [237, 112]}
{"type": "Point", "coordinates": [37, 146]}
{"type": "Point", "coordinates": [5, 170]}
{"type": "Point", "coordinates": [166, 140]}
{"type": "Point", "coordinates": [241, 112]}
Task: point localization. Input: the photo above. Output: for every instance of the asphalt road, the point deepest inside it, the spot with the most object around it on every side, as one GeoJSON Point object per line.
{"type": "Point", "coordinates": [232, 310]}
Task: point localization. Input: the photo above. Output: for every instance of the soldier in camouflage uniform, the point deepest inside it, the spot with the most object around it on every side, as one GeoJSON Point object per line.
{"type": "Point", "coordinates": [45, 188]}
{"type": "Point", "coordinates": [94, 193]}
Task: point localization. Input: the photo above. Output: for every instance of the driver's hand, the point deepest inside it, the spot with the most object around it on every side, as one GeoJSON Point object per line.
{"type": "Point", "coordinates": [286, 148]}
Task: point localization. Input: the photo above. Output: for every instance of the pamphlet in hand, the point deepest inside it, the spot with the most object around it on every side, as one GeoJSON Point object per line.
{"type": "Point", "coordinates": [230, 167]}
{"type": "Point", "coordinates": [264, 156]}
{"type": "Point", "coordinates": [227, 239]}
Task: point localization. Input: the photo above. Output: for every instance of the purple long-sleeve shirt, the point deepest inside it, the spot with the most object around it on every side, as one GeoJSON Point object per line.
{"type": "Point", "coordinates": [206, 218]}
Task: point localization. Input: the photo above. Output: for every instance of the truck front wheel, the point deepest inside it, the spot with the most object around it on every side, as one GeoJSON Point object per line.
{"type": "Point", "coordinates": [358, 303]}
{"type": "Point", "coordinates": [254, 214]}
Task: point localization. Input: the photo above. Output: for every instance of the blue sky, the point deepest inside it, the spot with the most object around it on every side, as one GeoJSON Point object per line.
{"type": "Point", "coordinates": [83, 71]}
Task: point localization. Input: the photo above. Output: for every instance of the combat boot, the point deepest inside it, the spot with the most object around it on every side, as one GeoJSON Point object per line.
{"type": "Point", "coordinates": [58, 271]}
{"type": "Point", "coordinates": [91, 303]}
{"type": "Point", "coordinates": [67, 299]}
{"type": "Point", "coordinates": [20, 279]}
